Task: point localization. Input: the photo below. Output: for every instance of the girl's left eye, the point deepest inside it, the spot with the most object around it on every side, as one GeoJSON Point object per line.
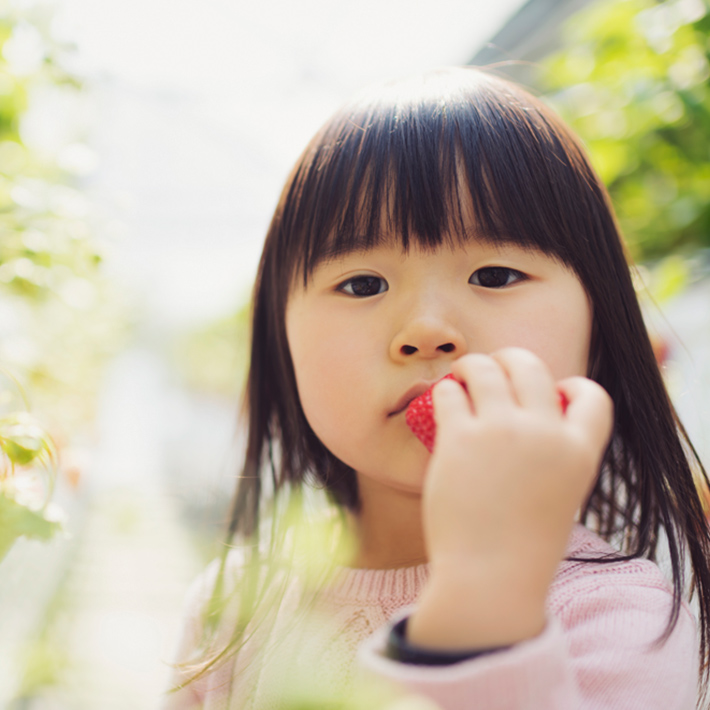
{"type": "Point", "coordinates": [363, 286]}
{"type": "Point", "coordinates": [496, 277]}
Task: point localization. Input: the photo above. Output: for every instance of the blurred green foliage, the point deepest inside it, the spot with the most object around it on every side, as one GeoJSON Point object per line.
{"type": "Point", "coordinates": [213, 359]}
{"type": "Point", "coordinates": [632, 80]}
{"type": "Point", "coordinates": [45, 664]}
{"type": "Point", "coordinates": [20, 520]}
{"type": "Point", "coordinates": [60, 318]}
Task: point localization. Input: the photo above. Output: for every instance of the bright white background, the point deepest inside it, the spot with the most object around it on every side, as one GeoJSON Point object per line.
{"type": "Point", "coordinates": [202, 106]}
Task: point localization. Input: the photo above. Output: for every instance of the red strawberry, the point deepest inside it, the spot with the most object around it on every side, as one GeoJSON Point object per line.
{"type": "Point", "coordinates": [420, 416]}
{"type": "Point", "coordinates": [563, 402]}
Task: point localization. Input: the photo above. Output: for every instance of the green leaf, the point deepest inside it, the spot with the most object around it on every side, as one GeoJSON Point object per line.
{"type": "Point", "coordinates": [23, 440]}
{"type": "Point", "coordinates": [22, 450]}
{"type": "Point", "coordinates": [17, 520]}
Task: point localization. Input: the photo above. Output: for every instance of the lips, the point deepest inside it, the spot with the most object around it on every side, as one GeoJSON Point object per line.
{"type": "Point", "coordinates": [419, 389]}
{"type": "Point", "coordinates": [412, 393]}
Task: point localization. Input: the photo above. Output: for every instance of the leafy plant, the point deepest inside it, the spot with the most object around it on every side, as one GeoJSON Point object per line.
{"type": "Point", "coordinates": [28, 463]}
{"type": "Point", "coordinates": [60, 318]}
{"type": "Point", "coordinates": [632, 80]}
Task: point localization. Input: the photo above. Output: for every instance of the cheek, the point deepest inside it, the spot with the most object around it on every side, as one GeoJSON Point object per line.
{"type": "Point", "coordinates": [564, 337]}
{"type": "Point", "coordinates": [310, 355]}
{"type": "Point", "coordinates": [324, 359]}
{"type": "Point", "coordinates": [328, 364]}
{"type": "Point", "coordinates": [571, 354]}
{"type": "Point", "coordinates": [557, 332]}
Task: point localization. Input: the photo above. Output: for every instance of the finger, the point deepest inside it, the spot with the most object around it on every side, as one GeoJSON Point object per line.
{"type": "Point", "coordinates": [488, 385]}
{"type": "Point", "coordinates": [530, 379]}
{"type": "Point", "coordinates": [589, 406]}
{"type": "Point", "coordinates": [450, 401]}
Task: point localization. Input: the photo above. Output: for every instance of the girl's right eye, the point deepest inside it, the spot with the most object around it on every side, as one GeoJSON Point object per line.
{"type": "Point", "coordinates": [363, 286]}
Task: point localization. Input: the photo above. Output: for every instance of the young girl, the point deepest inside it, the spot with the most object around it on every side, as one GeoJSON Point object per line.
{"type": "Point", "coordinates": [451, 224]}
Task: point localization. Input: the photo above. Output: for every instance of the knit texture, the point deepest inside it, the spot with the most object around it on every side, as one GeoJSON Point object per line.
{"type": "Point", "coordinates": [596, 652]}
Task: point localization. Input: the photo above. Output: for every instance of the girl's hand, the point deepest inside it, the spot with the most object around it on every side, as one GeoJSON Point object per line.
{"type": "Point", "coordinates": [507, 476]}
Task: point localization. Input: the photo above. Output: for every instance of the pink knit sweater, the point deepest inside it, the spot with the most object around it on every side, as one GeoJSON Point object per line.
{"type": "Point", "coordinates": [596, 652]}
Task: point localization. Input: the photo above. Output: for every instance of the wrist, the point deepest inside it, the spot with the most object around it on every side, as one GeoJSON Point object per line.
{"type": "Point", "coordinates": [399, 648]}
{"type": "Point", "coordinates": [464, 608]}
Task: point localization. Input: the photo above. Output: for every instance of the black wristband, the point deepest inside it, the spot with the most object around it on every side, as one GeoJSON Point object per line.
{"type": "Point", "coordinates": [399, 649]}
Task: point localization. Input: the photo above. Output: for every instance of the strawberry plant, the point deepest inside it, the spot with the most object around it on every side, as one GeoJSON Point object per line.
{"type": "Point", "coordinates": [28, 463]}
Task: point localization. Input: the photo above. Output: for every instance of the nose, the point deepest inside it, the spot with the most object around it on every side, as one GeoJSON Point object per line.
{"type": "Point", "coordinates": [428, 336]}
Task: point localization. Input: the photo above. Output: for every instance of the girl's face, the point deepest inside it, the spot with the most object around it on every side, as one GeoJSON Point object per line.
{"type": "Point", "coordinates": [374, 329]}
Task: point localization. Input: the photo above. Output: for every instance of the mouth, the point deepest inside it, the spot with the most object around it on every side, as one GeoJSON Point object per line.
{"type": "Point", "coordinates": [412, 393]}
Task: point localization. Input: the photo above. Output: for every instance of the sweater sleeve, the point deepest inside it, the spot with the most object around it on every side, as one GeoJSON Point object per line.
{"type": "Point", "coordinates": [599, 651]}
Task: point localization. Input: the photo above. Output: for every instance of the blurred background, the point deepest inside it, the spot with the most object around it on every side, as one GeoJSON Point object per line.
{"type": "Point", "coordinates": [143, 145]}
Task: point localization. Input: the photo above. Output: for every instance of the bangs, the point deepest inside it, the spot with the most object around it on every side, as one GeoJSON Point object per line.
{"type": "Point", "coordinates": [437, 161]}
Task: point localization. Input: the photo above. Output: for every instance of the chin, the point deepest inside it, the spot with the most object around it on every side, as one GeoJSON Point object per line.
{"type": "Point", "coordinates": [411, 477]}
{"type": "Point", "coordinates": [406, 475]}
